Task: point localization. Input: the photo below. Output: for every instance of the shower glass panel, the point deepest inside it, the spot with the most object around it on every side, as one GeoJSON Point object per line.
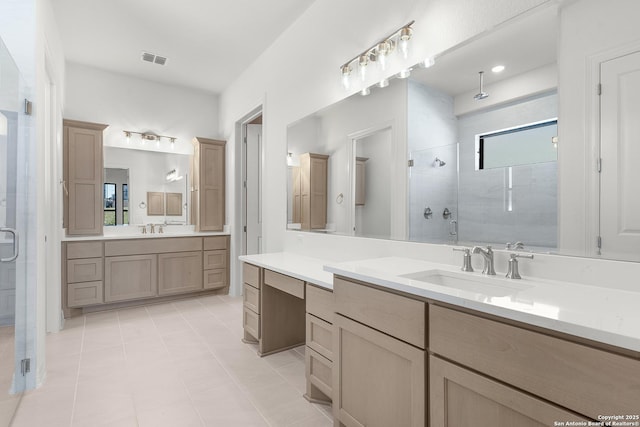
{"type": "Point", "coordinates": [433, 195]}
{"type": "Point", "coordinates": [13, 213]}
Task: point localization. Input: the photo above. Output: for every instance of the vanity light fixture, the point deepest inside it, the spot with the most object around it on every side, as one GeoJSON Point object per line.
{"type": "Point", "coordinates": [172, 175]}
{"type": "Point", "coordinates": [428, 62]}
{"type": "Point", "coordinates": [383, 83]}
{"type": "Point", "coordinates": [149, 136]}
{"type": "Point", "coordinates": [498, 69]}
{"type": "Point", "coordinates": [378, 52]}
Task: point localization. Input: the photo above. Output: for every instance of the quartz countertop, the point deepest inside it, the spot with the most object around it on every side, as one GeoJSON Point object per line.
{"type": "Point", "coordinates": [124, 236]}
{"type": "Point", "coordinates": [605, 315]}
{"type": "Point", "coordinates": [610, 316]}
{"type": "Point", "coordinates": [301, 267]}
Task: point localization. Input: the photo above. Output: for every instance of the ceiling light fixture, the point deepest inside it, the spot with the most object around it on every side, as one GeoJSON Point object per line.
{"type": "Point", "coordinates": [498, 69]}
{"type": "Point", "coordinates": [149, 136]}
{"type": "Point", "coordinates": [378, 52]}
{"type": "Point", "coordinates": [482, 94]}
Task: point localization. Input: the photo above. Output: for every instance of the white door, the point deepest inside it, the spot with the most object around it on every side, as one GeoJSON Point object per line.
{"type": "Point", "coordinates": [620, 154]}
{"type": "Point", "coordinates": [253, 194]}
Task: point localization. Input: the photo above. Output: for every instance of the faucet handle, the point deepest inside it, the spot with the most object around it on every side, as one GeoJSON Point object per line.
{"type": "Point", "coordinates": [513, 272]}
{"type": "Point", "coordinates": [466, 259]}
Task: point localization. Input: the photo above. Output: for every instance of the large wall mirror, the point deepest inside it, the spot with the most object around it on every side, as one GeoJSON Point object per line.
{"type": "Point", "coordinates": [133, 177]}
{"type": "Point", "coordinates": [431, 158]}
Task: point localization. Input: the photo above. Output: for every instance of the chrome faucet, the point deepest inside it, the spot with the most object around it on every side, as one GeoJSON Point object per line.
{"type": "Point", "coordinates": [487, 254]}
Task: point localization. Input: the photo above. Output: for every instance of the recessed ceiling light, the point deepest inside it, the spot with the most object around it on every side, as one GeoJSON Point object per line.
{"type": "Point", "coordinates": [498, 69]}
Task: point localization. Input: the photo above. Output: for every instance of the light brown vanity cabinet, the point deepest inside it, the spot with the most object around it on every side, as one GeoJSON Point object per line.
{"type": "Point", "coordinates": [215, 262]}
{"type": "Point", "coordinates": [319, 343]}
{"type": "Point", "coordinates": [130, 277]}
{"type": "Point", "coordinates": [123, 270]}
{"type": "Point", "coordinates": [252, 278]}
{"type": "Point", "coordinates": [83, 273]}
{"type": "Point", "coordinates": [313, 191]}
{"type": "Point", "coordinates": [463, 398]}
{"type": "Point", "coordinates": [155, 203]}
{"type": "Point", "coordinates": [179, 272]}
{"type": "Point", "coordinates": [83, 176]}
{"type": "Point", "coordinates": [208, 184]}
{"type": "Point", "coordinates": [379, 371]}
{"type": "Point", "coordinates": [573, 376]}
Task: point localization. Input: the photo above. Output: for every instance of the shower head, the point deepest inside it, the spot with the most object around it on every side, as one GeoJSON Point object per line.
{"type": "Point", "coordinates": [439, 162]}
{"type": "Point", "coordinates": [482, 94]}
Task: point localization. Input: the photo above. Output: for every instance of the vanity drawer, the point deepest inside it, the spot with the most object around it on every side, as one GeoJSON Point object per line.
{"type": "Point", "coordinates": [152, 246]}
{"type": "Point", "coordinates": [251, 322]}
{"type": "Point", "coordinates": [215, 279]}
{"type": "Point", "coordinates": [320, 302]}
{"type": "Point", "coordinates": [217, 242]}
{"type": "Point", "coordinates": [84, 270]}
{"type": "Point", "coordinates": [215, 259]}
{"type": "Point", "coordinates": [320, 336]}
{"type": "Point", "coordinates": [284, 283]}
{"type": "Point", "coordinates": [251, 275]}
{"type": "Point", "coordinates": [401, 317]}
{"type": "Point", "coordinates": [84, 250]}
{"type": "Point", "coordinates": [319, 371]}
{"type": "Point", "coordinates": [85, 293]}
{"type": "Point", "coordinates": [584, 379]}
{"type": "Point", "coordinates": [251, 297]}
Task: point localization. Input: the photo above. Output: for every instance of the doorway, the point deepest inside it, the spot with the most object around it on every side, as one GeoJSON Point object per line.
{"type": "Point", "coordinates": [251, 188]}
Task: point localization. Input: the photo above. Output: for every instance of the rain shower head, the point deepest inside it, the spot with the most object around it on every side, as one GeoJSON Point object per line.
{"type": "Point", "coordinates": [482, 94]}
{"type": "Point", "coordinates": [439, 162]}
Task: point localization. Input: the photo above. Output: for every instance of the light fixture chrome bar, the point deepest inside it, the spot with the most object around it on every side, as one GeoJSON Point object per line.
{"type": "Point", "coordinates": [149, 136]}
{"type": "Point", "coordinates": [370, 50]}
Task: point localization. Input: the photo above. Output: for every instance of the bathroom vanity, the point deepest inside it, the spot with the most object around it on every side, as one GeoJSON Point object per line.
{"type": "Point", "coordinates": [113, 272]}
{"type": "Point", "coordinates": [397, 341]}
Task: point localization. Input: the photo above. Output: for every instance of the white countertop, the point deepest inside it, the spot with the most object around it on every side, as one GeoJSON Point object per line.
{"type": "Point", "coordinates": [301, 267]}
{"type": "Point", "coordinates": [142, 236]}
{"type": "Point", "coordinates": [601, 314]}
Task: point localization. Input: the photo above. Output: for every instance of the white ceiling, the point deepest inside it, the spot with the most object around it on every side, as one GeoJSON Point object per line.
{"type": "Point", "coordinates": [207, 42]}
{"type": "Point", "coordinates": [526, 44]}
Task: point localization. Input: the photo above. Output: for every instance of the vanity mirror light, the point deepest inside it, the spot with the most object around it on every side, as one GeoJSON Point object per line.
{"type": "Point", "coordinates": [459, 168]}
{"type": "Point", "coordinates": [143, 187]}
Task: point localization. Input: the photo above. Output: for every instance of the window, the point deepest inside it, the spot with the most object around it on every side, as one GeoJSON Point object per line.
{"type": "Point", "coordinates": [109, 203]}
{"type": "Point", "coordinates": [522, 145]}
{"type": "Point", "coordinates": [125, 203]}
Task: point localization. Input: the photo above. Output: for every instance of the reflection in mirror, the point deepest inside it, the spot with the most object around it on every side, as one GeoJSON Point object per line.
{"type": "Point", "coordinates": [434, 121]}
{"type": "Point", "coordinates": [148, 172]}
{"type": "Point", "coordinates": [116, 196]}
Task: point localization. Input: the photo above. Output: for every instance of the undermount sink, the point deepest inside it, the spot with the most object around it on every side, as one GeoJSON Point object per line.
{"type": "Point", "coordinates": [493, 286]}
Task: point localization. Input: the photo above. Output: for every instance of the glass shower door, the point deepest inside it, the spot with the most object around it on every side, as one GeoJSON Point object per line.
{"type": "Point", "coordinates": [13, 202]}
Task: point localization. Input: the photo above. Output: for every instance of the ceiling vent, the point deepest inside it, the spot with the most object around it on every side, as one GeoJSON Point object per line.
{"type": "Point", "coordinates": [153, 58]}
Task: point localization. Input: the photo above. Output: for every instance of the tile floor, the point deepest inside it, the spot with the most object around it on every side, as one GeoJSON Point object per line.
{"type": "Point", "coordinates": [176, 364]}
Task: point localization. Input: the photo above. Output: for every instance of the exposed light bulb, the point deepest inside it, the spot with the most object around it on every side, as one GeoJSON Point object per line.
{"type": "Point", "coordinates": [363, 62]}
{"type": "Point", "coordinates": [428, 62]}
{"type": "Point", "coordinates": [383, 83]}
{"type": "Point", "coordinates": [128, 137]}
{"type": "Point", "coordinates": [366, 91]}
{"type": "Point", "coordinates": [498, 69]}
{"type": "Point", "coordinates": [383, 50]}
{"type": "Point", "coordinates": [346, 72]}
{"type": "Point", "coordinates": [405, 36]}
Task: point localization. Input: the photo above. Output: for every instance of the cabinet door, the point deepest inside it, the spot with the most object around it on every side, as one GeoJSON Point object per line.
{"type": "Point", "coordinates": [130, 277]}
{"type": "Point", "coordinates": [83, 173]}
{"type": "Point", "coordinates": [378, 380]}
{"type": "Point", "coordinates": [179, 272]}
{"type": "Point", "coordinates": [212, 182]}
{"type": "Point", "coordinates": [462, 398]}
{"type": "Point", "coordinates": [296, 198]}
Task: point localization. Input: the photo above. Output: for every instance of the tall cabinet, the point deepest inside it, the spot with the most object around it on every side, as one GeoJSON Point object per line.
{"type": "Point", "coordinates": [83, 212]}
{"type": "Point", "coordinates": [208, 184]}
{"type": "Point", "coordinates": [313, 190]}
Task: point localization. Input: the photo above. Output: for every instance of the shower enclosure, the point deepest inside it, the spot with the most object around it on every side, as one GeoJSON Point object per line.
{"type": "Point", "coordinates": [13, 213]}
